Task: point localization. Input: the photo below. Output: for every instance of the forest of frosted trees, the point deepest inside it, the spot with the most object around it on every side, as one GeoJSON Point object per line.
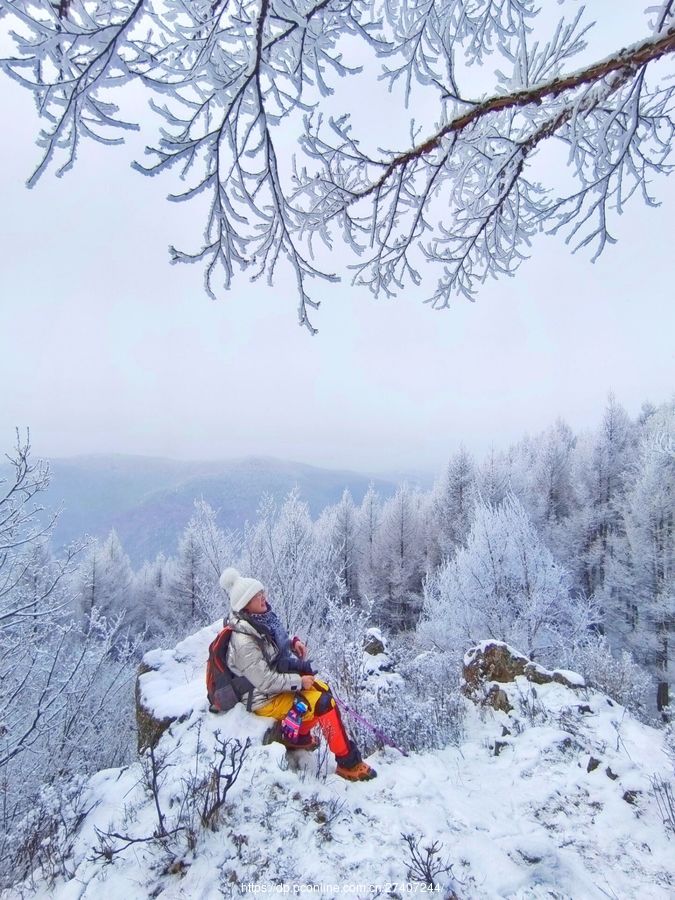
{"type": "Point", "coordinates": [561, 531]}
{"type": "Point", "coordinates": [562, 545]}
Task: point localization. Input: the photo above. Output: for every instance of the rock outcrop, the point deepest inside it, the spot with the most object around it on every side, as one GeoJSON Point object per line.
{"type": "Point", "coordinates": [149, 727]}
{"type": "Point", "coordinates": [494, 663]}
{"type": "Point", "coordinates": [170, 686]}
{"type": "Point", "coordinates": [374, 642]}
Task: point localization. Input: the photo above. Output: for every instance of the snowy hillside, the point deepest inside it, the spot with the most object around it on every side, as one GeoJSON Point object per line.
{"type": "Point", "coordinates": [549, 800]}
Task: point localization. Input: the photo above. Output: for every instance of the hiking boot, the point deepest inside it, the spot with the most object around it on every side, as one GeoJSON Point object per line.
{"type": "Point", "coordinates": [359, 772]}
{"type": "Point", "coordinates": [304, 742]}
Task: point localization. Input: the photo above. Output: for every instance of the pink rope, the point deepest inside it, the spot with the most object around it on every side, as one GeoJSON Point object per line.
{"type": "Point", "coordinates": [376, 731]}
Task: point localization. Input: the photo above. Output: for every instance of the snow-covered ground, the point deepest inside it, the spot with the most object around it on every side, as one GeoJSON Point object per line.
{"type": "Point", "coordinates": [515, 808]}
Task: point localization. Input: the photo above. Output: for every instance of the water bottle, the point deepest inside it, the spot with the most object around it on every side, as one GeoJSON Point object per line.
{"type": "Point", "coordinates": [290, 724]}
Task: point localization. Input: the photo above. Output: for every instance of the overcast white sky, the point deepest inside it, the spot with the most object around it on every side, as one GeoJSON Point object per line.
{"type": "Point", "coordinates": [105, 347]}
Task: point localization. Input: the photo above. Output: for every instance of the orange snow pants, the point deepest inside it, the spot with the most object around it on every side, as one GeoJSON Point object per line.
{"type": "Point", "coordinates": [322, 709]}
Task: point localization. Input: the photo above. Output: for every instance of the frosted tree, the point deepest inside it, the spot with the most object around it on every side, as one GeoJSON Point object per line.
{"type": "Point", "coordinates": [553, 474]}
{"type": "Point", "coordinates": [452, 505]}
{"type": "Point", "coordinates": [572, 488]}
{"type": "Point", "coordinates": [368, 523]}
{"type": "Point", "coordinates": [188, 582]}
{"type": "Point", "coordinates": [505, 585]}
{"type": "Point", "coordinates": [217, 546]}
{"type": "Point", "coordinates": [31, 582]}
{"type": "Point", "coordinates": [400, 560]}
{"type": "Point", "coordinates": [151, 596]}
{"type": "Point", "coordinates": [492, 482]}
{"type": "Point", "coordinates": [467, 176]}
{"type": "Point", "coordinates": [514, 471]}
{"type": "Point", "coordinates": [184, 591]}
{"type": "Point", "coordinates": [296, 565]}
{"type": "Point", "coordinates": [62, 687]}
{"type": "Point", "coordinates": [39, 571]}
{"type": "Point", "coordinates": [602, 491]}
{"type": "Point", "coordinates": [650, 529]}
{"type": "Point", "coordinates": [553, 502]}
{"type": "Point", "coordinates": [216, 549]}
{"type": "Point", "coordinates": [338, 525]}
{"type": "Point", "coordinates": [427, 533]}
{"type": "Point", "coordinates": [104, 582]}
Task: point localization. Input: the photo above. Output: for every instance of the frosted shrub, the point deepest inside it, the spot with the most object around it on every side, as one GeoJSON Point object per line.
{"type": "Point", "coordinates": [421, 709]}
{"type": "Point", "coordinates": [42, 841]}
{"type": "Point", "coordinates": [426, 864]}
{"type": "Point", "coordinates": [414, 701]}
{"type": "Point", "coordinates": [338, 651]}
{"type": "Point", "coordinates": [662, 791]}
{"type": "Point", "coordinates": [620, 677]}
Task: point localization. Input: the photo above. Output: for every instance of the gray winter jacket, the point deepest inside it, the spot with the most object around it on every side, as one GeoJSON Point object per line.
{"type": "Point", "coordinates": [253, 655]}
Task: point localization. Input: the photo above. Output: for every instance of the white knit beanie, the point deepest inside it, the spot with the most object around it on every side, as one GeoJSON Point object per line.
{"type": "Point", "coordinates": [241, 590]}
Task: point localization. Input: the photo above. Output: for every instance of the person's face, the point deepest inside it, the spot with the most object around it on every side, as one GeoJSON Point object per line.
{"type": "Point", "coordinates": [257, 604]}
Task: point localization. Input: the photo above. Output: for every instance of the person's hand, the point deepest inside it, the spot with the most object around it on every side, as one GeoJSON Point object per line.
{"type": "Point", "coordinates": [307, 682]}
{"type": "Point", "coordinates": [299, 648]}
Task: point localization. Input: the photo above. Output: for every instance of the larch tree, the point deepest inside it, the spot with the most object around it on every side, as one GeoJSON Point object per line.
{"type": "Point", "coordinates": [456, 192]}
{"type": "Point", "coordinates": [217, 546]}
{"type": "Point", "coordinates": [492, 482]}
{"type": "Point", "coordinates": [104, 581]}
{"type": "Point", "coordinates": [553, 474]}
{"type": "Point", "coordinates": [553, 502]}
{"type": "Point", "coordinates": [505, 585]}
{"type": "Point", "coordinates": [368, 520]}
{"type": "Point", "coordinates": [399, 552]}
{"type": "Point", "coordinates": [608, 476]}
{"type": "Point", "coordinates": [294, 562]}
{"type": "Point", "coordinates": [188, 584]}
{"type": "Point", "coordinates": [206, 550]}
{"type": "Point", "coordinates": [650, 531]}
{"type": "Point", "coordinates": [339, 526]}
{"type": "Point", "coordinates": [151, 596]}
{"type": "Point", "coordinates": [452, 506]}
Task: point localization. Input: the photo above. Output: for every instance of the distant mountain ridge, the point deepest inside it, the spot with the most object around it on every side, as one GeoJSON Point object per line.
{"type": "Point", "coordinates": [149, 500]}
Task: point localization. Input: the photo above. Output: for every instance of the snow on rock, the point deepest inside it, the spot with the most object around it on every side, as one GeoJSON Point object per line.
{"type": "Point", "coordinates": [170, 685]}
{"type": "Point", "coordinates": [493, 663]}
{"type": "Point", "coordinates": [517, 809]}
{"type": "Point", "coordinates": [174, 684]}
{"type": "Point", "coordinates": [374, 642]}
{"type": "Point", "coordinates": [377, 664]}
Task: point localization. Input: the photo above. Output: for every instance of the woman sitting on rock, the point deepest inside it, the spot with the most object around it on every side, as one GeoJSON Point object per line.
{"type": "Point", "coordinates": [279, 670]}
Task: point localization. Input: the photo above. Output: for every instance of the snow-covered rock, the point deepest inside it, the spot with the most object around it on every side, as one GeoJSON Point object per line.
{"type": "Point", "coordinates": [491, 664]}
{"type": "Point", "coordinates": [374, 643]}
{"type": "Point", "coordinates": [551, 799]}
{"type": "Point", "coordinates": [171, 685]}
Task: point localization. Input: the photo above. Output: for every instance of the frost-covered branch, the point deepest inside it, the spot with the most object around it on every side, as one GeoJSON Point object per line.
{"type": "Point", "coordinates": [463, 197]}
{"type": "Point", "coordinates": [627, 64]}
{"type": "Point", "coordinates": [244, 91]}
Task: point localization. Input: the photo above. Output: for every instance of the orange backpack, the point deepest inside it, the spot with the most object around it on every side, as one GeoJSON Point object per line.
{"type": "Point", "coordinates": [223, 688]}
